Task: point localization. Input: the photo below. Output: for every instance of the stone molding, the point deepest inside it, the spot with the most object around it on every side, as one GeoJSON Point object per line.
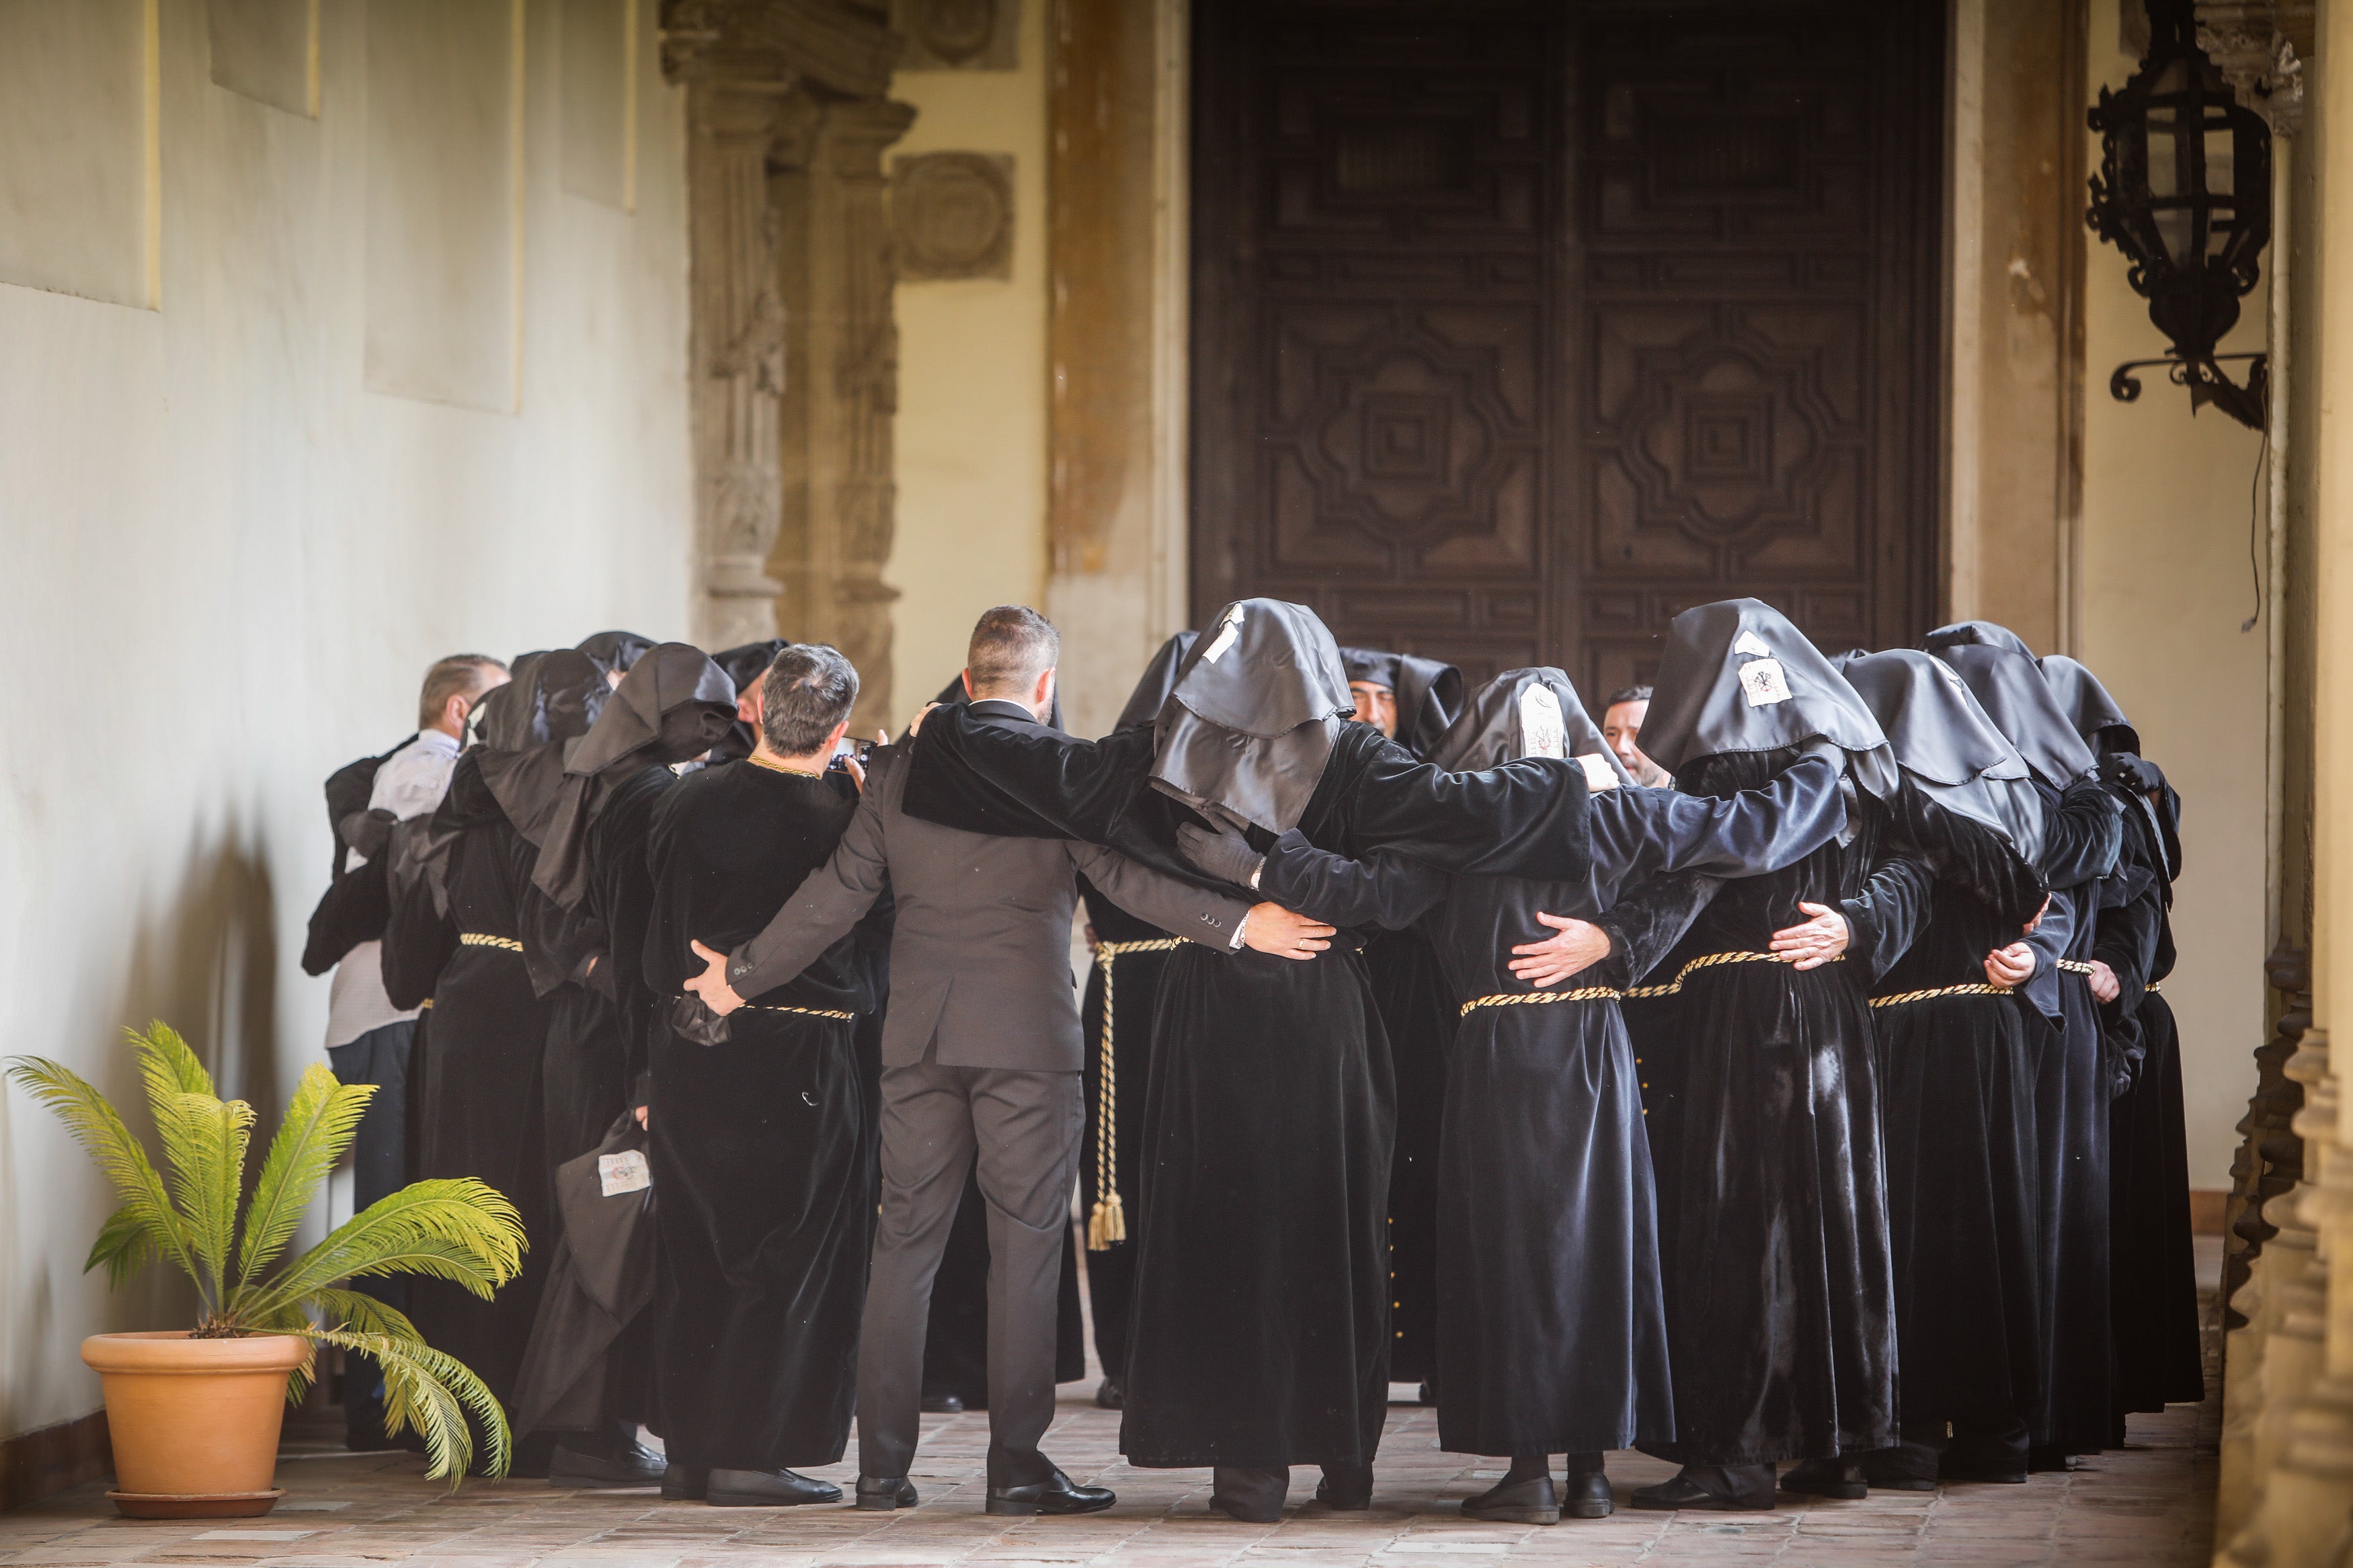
{"type": "Point", "coordinates": [952, 216]}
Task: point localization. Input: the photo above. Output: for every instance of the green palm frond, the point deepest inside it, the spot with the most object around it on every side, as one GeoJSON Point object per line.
{"type": "Point", "coordinates": [319, 1126]}
{"type": "Point", "coordinates": [433, 1395]}
{"type": "Point", "coordinates": [167, 1064]}
{"type": "Point", "coordinates": [96, 1128]}
{"type": "Point", "coordinates": [457, 1230]}
{"type": "Point", "coordinates": [125, 1244]}
{"type": "Point", "coordinates": [204, 1140]}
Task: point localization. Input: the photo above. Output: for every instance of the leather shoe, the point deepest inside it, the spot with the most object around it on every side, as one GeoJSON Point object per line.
{"type": "Point", "coordinates": [1906, 1467]}
{"type": "Point", "coordinates": [1584, 1494]}
{"type": "Point", "coordinates": [1111, 1394]}
{"type": "Point", "coordinates": [1531, 1501]}
{"type": "Point", "coordinates": [627, 1465]}
{"type": "Point", "coordinates": [1718, 1489]}
{"type": "Point", "coordinates": [1056, 1494]}
{"type": "Point", "coordinates": [2049, 1458]}
{"type": "Point", "coordinates": [685, 1483]}
{"type": "Point", "coordinates": [1251, 1496]}
{"type": "Point", "coordinates": [942, 1404]}
{"type": "Point", "coordinates": [881, 1494]}
{"type": "Point", "coordinates": [1346, 1488]}
{"type": "Point", "coordinates": [768, 1488]}
{"type": "Point", "coordinates": [1840, 1478]}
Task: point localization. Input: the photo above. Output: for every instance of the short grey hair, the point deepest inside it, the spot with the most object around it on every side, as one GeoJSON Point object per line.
{"type": "Point", "coordinates": [809, 688]}
{"type": "Point", "coordinates": [1011, 647]}
{"type": "Point", "coordinates": [459, 675]}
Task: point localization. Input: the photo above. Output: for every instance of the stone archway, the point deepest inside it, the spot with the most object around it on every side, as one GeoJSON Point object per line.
{"type": "Point", "coordinates": [794, 353]}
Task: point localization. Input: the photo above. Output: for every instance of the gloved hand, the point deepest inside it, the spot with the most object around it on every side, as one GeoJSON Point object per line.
{"type": "Point", "coordinates": [1225, 855]}
{"type": "Point", "coordinates": [366, 832]}
{"type": "Point", "coordinates": [2137, 774]}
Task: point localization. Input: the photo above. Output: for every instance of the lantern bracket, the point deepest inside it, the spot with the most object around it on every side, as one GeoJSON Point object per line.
{"type": "Point", "coordinates": [2206, 383]}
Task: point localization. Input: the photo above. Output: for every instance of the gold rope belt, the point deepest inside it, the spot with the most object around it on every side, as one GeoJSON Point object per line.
{"type": "Point", "coordinates": [477, 939]}
{"type": "Point", "coordinates": [1709, 961]}
{"type": "Point", "coordinates": [804, 1012]}
{"type": "Point", "coordinates": [1980, 989]}
{"type": "Point", "coordinates": [2074, 966]}
{"type": "Point", "coordinates": [2153, 988]}
{"type": "Point", "coordinates": [1108, 1221]}
{"type": "Point", "coordinates": [1637, 993]}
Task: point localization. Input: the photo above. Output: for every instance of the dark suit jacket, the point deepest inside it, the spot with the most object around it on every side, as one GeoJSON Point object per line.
{"type": "Point", "coordinates": [980, 947]}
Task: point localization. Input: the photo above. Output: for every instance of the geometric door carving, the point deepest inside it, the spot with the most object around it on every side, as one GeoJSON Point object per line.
{"type": "Point", "coordinates": [1522, 325]}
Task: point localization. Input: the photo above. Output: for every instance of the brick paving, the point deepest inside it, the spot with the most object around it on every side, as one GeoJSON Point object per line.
{"type": "Point", "coordinates": [2149, 1505]}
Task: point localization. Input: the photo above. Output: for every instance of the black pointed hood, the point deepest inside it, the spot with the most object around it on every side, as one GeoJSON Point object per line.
{"type": "Point", "coordinates": [1428, 694]}
{"type": "Point", "coordinates": [1737, 677]}
{"type": "Point", "coordinates": [1980, 633]}
{"type": "Point", "coordinates": [558, 699]}
{"type": "Point", "coordinates": [2096, 715]}
{"type": "Point", "coordinates": [1250, 724]}
{"type": "Point", "coordinates": [1533, 712]}
{"type": "Point", "coordinates": [674, 706]}
{"type": "Point", "coordinates": [2009, 687]}
{"type": "Point", "coordinates": [1159, 676]}
{"type": "Point", "coordinates": [616, 652]}
{"type": "Point", "coordinates": [1943, 739]}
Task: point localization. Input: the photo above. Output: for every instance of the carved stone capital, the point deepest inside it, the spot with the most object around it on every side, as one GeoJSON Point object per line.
{"type": "Point", "coordinates": [837, 48]}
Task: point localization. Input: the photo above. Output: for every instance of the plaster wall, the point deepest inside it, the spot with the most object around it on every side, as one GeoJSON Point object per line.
{"type": "Point", "coordinates": [228, 562]}
{"type": "Point", "coordinates": [971, 433]}
{"type": "Point", "coordinates": [2165, 587]}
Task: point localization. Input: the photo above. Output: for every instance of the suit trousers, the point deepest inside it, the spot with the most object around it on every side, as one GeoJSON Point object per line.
{"type": "Point", "coordinates": [1020, 1133]}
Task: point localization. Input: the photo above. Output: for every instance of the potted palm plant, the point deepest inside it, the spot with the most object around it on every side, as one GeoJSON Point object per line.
{"type": "Point", "coordinates": [194, 1412]}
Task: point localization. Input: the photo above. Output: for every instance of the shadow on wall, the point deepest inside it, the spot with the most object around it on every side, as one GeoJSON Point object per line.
{"type": "Point", "coordinates": [207, 963]}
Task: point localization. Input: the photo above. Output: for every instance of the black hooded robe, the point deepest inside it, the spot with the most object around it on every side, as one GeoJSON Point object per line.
{"type": "Point", "coordinates": [1551, 1324]}
{"type": "Point", "coordinates": [759, 1145]}
{"type": "Point", "coordinates": [1958, 1067]}
{"type": "Point", "coordinates": [1763, 1102]}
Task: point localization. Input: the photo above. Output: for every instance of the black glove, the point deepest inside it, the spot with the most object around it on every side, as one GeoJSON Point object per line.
{"type": "Point", "coordinates": [366, 832]}
{"type": "Point", "coordinates": [2135, 773]}
{"type": "Point", "coordinates": [1225, 855]}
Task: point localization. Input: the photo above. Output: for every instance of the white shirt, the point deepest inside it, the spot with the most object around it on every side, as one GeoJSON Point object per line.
{"type": "Point", "coordinates": [411, 783]}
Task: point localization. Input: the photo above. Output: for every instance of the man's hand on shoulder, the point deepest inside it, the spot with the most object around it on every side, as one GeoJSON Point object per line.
{"type": "Point", "coordinates": [1270, 928]}
{"type": "Point", "coordinates": [711, 983]}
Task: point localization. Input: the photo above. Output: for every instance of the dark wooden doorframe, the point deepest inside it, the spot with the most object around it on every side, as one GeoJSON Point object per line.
{"type": "Point", "coordinates": [1521, 325]}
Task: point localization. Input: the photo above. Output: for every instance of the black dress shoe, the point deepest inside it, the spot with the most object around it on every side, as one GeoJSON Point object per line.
{"type": "Point", "coordinates": [1584, 1494]}
{"type": "Point", "coordinates": [626, 1465]}
{"type": "Point", "coordinates": [2049, 1457]}
{"type": "Point", "coordinates": [1531, 1501]}
{"type": "Point", "coordinates": [1056, 1494]}
{"type": "Point", "coordinates": [1111, 1394]}
{"type": "Point", "coordinates": [1251, 1496]}
{"type": "Point", "coordinates": [1840, 1478]}
{"type": "Point", "coordinates": [1346, 1488]}
{"type": "Point", "coordinates": [881, 1494]}
{"type": "Point", "coordinates": [1906, 1467]}
{"type": "Point", "coordinates": [942, 1404]}
{"type": "Point", "coordinates": [1718, 1489]}
{"type": "Point", "coordinates": [685, 1483]}
{"type": "Point", "coordinates": [768, 1488]}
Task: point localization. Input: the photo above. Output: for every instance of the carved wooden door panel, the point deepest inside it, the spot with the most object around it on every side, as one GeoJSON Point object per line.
{"type": "Point", "coordinates": [1522, 325]}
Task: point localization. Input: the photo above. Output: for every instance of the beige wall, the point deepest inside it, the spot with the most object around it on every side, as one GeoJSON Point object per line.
{"type": "Point", "coordinates": [971, 434]}
{"type": "Point", "coordinates": [227, 563]}
{"type": "Point", "coordinates": [2164, 588]}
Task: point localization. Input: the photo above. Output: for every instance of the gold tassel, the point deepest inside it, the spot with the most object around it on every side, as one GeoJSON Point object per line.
{"type": "Point", "coordinates": [1107, 1223]}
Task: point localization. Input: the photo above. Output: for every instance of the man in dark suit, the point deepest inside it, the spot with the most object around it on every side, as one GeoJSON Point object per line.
{"type": "Point", "coordinates": [981, 1054]}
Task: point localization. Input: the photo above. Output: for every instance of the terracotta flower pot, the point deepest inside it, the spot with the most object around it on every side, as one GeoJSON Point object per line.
{"type": "Point", "coordinates": [194, 1421]}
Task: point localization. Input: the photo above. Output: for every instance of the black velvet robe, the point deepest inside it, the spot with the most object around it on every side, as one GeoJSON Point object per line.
{"type": "Point", "coordinates": [1551, 1333]}
{"type": "Point", "coordinates": [1956, 1077]}
{"type": "Point", "coordinates": [1135, 990]}
{"type": "Point", "coordinates": [2081, 834]}
{"type": "Point", "coordinates": [1261, 1328]}
{"type": "Point", "coordinates": [758, 1145]}
{"type": "Point", "coordinates": [1763, 1109]}
{"type": "Point", "coordinates": [2153, 1269]}
{"type": "Point", "coordinates": [480, 1104]}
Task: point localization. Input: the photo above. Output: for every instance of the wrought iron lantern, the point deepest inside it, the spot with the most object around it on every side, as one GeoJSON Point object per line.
{"type": "Point", "coordinates": [2185, 191]}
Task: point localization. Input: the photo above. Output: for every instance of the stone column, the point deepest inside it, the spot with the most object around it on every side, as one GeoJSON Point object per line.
{"type": "Point", "coordinates": [795, 354]}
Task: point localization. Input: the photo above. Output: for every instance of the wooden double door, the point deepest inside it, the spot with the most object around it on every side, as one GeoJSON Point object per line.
{"type": "Point", "coordinates": [1520, 326]}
